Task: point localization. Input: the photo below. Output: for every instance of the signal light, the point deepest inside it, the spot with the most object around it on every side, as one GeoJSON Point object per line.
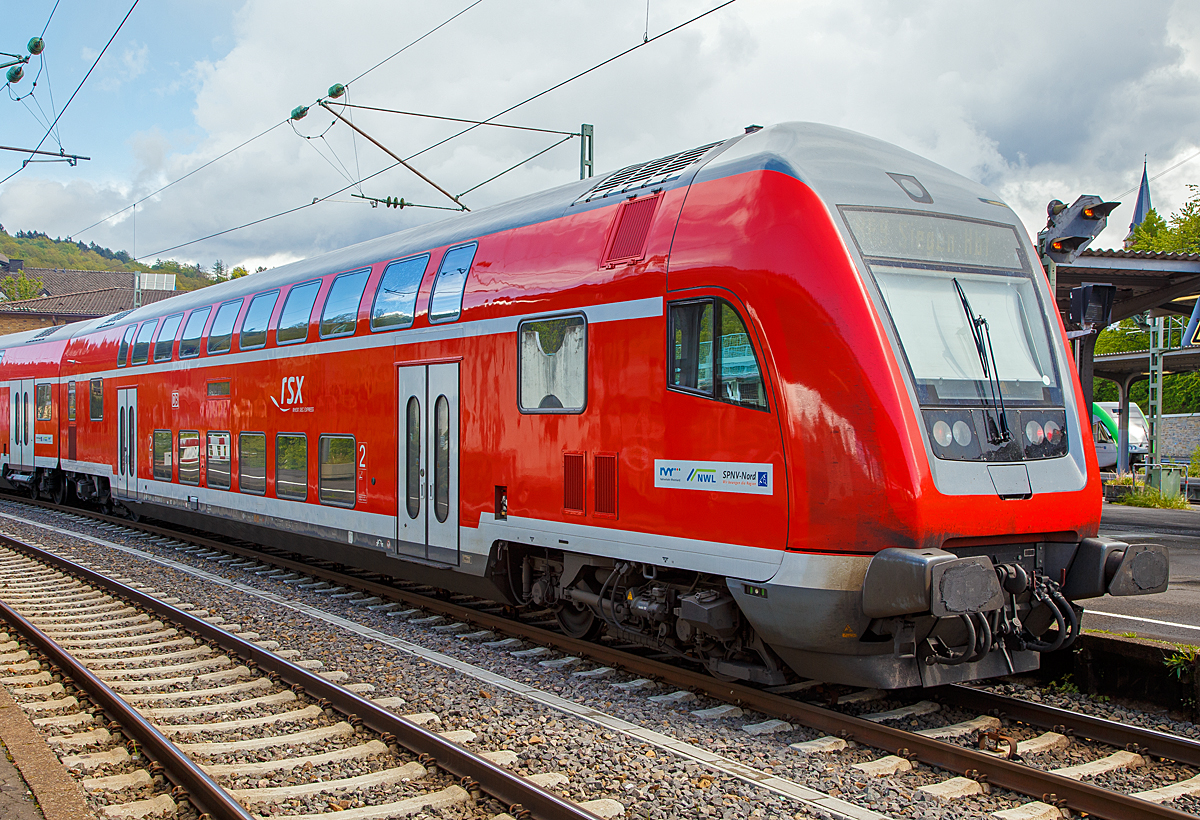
{"type": "Point", "coordinates": [1099, 211]}
{"type": "Point", "coordinates": [1069, 230]}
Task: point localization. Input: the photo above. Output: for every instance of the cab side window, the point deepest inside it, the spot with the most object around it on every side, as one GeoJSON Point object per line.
{"type": "Point", "coordinates": [710, 354]}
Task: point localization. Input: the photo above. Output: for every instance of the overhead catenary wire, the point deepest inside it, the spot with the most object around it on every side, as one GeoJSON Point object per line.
{"type": "Point", "coordinates": [1161, 173]}
{"type": "Point", "coordinates": [315, 200]}
{"type": "Point", "coordinates": [182, 178]}
{"type": "Point", "coordinates": [518, 165]}
{"type": "Point", "coordinates": [458, 119]}
{"type": "Point", "coordinates": [575, 77]}
{"type": "Point", "coordinates": [395, 54]}
{"type": "Point", "coordinates": [276, 125]}
{"type": "Point", "coordinates": [78, 87]}
{"type": "Point", "coordinates": [387, 168]}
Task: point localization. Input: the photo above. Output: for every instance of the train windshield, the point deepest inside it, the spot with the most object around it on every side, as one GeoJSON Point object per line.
{"type": "Point", "coordinates": [917, 259]}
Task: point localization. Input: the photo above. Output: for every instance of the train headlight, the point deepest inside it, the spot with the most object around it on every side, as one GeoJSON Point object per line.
{"type": "Point", "coordinates": [1045, 433]}
{"type": "Point", "coordinates": [1034, 433]}
{"type": "Point", "coordinates": [962, 433]}
{"type": "Point", "coordinates": [942, 434]}
{"type": "Point", "coordinates": [1053, 432]}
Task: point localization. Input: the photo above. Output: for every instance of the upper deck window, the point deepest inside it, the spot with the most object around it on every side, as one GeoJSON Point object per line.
{"type": "Point", "coordinates": [340, 314]}
{"type": "Point", "coordinates": [297, 313]}
{"type": "Point", "coordinates": [165, 341]}
{"type": "Point", "coordinates": [396, 297]}
{"type": "Point", "coordinates": [126, 341]}
{"type": "Point", "coordinates": [189, 345]}
{"type": "Point", "coordinates": [258, 316]}
{"type": "Point", "coordinates": [445, 303]}
{"type": "Point", "coordinates": [220, 335]}
{"type": "Point", "coordinates": [141, 347]}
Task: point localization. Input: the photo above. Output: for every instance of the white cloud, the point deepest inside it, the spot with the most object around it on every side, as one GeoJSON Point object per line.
{"type": "Point", "coordinates": [1036, 111]}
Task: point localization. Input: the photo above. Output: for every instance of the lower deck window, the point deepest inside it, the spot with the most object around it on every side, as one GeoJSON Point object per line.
{"type": "Point", "coordinates": [291, 466]}
{"type": "Point", "coordinates": [252, 463]}
{"type": "Point", "coordinates": [337, 470]}
{"type": "Point", "coordinates": [162, 455]}
{"type": "Point", "coordinates": [189, 456]}
{"type": "Point", "coordinates": [218, 473]}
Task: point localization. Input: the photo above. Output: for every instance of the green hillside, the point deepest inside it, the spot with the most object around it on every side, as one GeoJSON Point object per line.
{"type": "Point", "coordinates": [40, 251]}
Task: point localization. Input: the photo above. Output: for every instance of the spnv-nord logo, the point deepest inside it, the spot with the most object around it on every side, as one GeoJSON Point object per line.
{"type": "Point", "coordinates": [762, 479]}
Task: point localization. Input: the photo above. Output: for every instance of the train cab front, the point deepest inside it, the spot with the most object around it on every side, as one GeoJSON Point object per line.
{"type": "Point", "coordinates": [1010, 502]}
{"type": "Point", "coordinates": [988, 541]}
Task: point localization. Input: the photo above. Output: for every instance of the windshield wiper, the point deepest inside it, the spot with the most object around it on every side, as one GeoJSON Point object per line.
{"type": "Point", "coordinates": [998, 432]}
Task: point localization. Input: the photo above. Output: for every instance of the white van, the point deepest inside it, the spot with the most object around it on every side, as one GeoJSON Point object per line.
{"type": "Point", "coordinates": [1139, 429]}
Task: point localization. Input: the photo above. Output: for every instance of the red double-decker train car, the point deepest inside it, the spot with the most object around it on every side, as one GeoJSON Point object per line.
{"type": "Point", "coordinates": [797, 399]}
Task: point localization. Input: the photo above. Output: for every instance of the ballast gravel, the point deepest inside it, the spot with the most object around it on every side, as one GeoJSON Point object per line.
{"type": "Point", "coordinates": [649, 783]}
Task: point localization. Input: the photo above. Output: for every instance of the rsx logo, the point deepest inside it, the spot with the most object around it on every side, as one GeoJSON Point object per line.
{"type": "Point", "coordinates": [290, 393]}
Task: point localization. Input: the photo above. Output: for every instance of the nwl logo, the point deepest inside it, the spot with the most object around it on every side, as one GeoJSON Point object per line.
{"type": "Point", "coordinates": [703, 476]}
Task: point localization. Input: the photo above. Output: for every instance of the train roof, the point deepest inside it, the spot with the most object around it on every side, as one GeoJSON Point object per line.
{"type": "Point", "coordinates": [843, 167]}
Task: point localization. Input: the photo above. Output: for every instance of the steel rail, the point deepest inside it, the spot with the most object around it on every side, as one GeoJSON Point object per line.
{"type": "Point", "coordinates": [202, 791]}
{"type": "Point", "coordinates": [1077, 796]}
{"type": "Point", "coordinates": [1148, 741]}
{"type": "Point", "coordinates": [473, 770]}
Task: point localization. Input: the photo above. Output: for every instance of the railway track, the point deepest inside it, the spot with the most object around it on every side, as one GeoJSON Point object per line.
{"type": "Point", "coordinates": [159, 707]}
{"type": "Point", "coordinates": [944, 747]}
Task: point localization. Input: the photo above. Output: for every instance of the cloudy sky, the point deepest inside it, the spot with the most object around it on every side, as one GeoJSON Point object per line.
{"type": "Point", "coordinates": [1036, 100]}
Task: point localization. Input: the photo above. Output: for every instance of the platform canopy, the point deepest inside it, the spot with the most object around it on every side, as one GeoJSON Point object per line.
{"type": "Point", "coordinates": [1166, 284]}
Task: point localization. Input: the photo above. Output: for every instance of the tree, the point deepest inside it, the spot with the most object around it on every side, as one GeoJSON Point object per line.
{"type": "Point", "coordinates": [238, 272]}
{"type": "Point", "coordinates": [19, 287]}
{"type": "Point", "coordinates": [1181, 234]}
{"type": "Point", "coordinates": [1181, 391]}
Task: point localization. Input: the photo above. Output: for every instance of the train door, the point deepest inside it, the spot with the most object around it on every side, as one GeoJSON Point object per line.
{"type": "Point", "coordinates": [21, 414]}
{"type": "Point", "coordinates": [427, 511]}
{"type": "Point", "coordinates": [127, 436]}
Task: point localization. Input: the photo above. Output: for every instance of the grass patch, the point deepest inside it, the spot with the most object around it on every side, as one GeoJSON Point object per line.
{"type": "Point", "coordinates": [1150, 497]}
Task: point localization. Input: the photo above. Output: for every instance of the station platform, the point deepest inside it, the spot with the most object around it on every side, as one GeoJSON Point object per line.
{"type": "Point", "coordinates": [1175, 614]}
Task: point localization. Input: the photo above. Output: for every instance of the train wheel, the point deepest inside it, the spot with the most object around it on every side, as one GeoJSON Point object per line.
{"type": "Point", "coordinates": [578, 621]}
{"type": "Point", "coordinates": [59, 494]}
{"type": "Point", "coordinates": [34, 489]}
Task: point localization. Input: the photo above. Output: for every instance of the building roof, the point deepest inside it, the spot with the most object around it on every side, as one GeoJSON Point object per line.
{"type": "Point", "coordinates": [1118, 253]}
{"type": "Point", "coordinates": [59, 281]}
{"type": "Point", "coordinates": [85, 304]}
